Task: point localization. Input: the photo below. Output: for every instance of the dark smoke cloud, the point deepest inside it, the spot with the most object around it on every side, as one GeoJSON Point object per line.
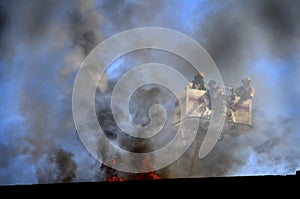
{"type": "Point", "coordinates": [44, 42]}
{"type": "Point", "coordinates": [258, 38]}
{"type": "Point", "coordinates": [3, 22]}
{"type": "Point", "coordinates": [255, 38]}
{"type": "Point", "coordinates": [245, 31]}
{"type": "Point", "coordinates": [60, 167]}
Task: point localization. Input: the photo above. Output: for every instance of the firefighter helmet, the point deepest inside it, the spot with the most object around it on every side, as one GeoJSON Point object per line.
{"type": "Point", "coordinates": [246, 80]}
{"type": "Point", "coordinates": [200, 75]}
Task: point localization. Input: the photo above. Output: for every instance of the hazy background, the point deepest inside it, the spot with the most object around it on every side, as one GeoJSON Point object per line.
{"type": "Point", "coordinates": [42, 44]}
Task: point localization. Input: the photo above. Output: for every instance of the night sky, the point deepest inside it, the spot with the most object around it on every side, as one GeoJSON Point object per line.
{"type": "Point", "coordinates": [43, 43]}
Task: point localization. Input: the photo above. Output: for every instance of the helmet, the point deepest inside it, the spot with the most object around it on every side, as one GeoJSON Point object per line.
{"type": "Point", "coordinates": [200, 74]}
{"type": "Point", "coordinates": [246, 80]}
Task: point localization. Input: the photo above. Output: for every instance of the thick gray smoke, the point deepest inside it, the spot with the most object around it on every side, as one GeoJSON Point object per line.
{"type": "Point", "coordinates": [44, 42]}
{"type": "Point", "coordinates": [257, 39]}
{"type": "Point", "coordinates": [59, 167]}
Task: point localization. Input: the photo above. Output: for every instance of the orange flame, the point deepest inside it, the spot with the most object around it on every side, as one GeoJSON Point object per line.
{"type": "Point", "coordinates": [146, 163]}
{"type": "Point", "coordinates": [114, 179]}
{"type": "Point", "coordinates": [147, 176]}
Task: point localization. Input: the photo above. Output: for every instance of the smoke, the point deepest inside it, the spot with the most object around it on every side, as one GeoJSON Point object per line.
{"type": "Point", "coordinates": [260, 39]}
{"type": "Point", "coordinates": [43, 44]}
{"type": "Point", "coordinates": [63, 168]}
{"type": "Point", "coordinates": [257, 39]}
{"type": "Point", "coordinates": [46, 43]}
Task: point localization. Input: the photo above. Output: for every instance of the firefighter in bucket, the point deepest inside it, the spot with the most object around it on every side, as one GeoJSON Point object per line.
{"type": "Point", "coordinates": [244, 92]}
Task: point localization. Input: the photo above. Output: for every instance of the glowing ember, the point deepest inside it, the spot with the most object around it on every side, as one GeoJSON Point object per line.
{"type": "Point", "coordinates": [147, 176]}
{"type": "Point", "coordinates": [147, 163]}
{"type": "Point", "coordinates": [114, 178]}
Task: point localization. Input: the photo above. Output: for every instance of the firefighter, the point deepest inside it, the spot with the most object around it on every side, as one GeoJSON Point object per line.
{"type": "Point", "coordinates": [244, 92]}
{"type": "Point", "coordinates": [198, 82]}
{"type": "Point", "coordinates": [213, 89]}
{"type": "Point", "coordinates": [217, 95]}
{"type": "Point", "coordinates": [203, 102]}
